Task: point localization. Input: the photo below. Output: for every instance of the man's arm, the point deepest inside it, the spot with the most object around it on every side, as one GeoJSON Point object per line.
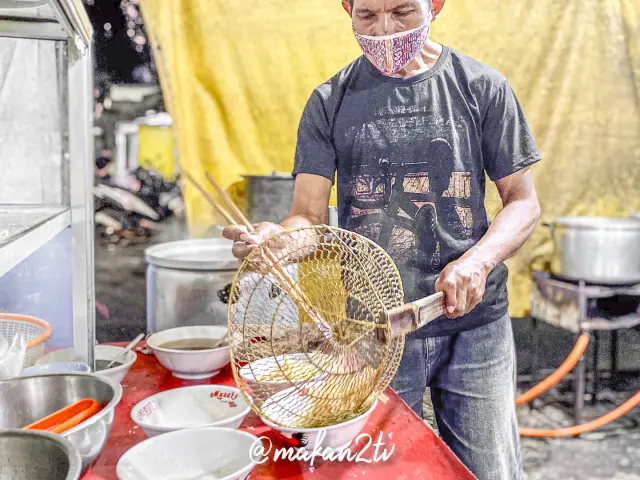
{"type": "Point", "coordinates": [314, 169]}
{"type": "Point", "coordinates": [310, 207]}
{"type": "Point", "coordinates": [463, 281]}
{"type": "Point", "coordinates": [310, 202]}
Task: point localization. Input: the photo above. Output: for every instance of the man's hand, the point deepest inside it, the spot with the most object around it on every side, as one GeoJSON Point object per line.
{"type": "Point", "coordinates": [310, 206]}
{"type": "Point", "coordinates": [463, 283]}
{"type": "Point", "coordinates": [245, 242]}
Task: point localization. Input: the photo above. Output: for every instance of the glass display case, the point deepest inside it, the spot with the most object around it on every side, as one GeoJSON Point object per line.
{"type": "Point", "coordinates": [47, 164]}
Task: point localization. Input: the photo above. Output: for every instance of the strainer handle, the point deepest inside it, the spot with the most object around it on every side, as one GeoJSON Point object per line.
{"type": "Point", "coordinates": [412, 316]}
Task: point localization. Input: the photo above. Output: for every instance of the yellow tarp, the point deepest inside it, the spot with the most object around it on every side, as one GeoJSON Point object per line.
{"type": "Point", "coordinates": [236, 76]}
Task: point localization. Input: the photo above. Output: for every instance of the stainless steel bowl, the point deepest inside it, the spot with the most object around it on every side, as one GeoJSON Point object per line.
{"type": "Point", "coordinates": [34, 455]}
{"type": "Point", "coordinates": [27, 399]}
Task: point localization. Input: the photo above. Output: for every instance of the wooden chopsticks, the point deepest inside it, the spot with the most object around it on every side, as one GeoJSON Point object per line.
{"type": "Point", "coordinates": [283, 277]}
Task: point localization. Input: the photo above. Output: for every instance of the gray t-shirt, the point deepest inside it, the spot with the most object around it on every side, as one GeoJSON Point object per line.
{"type": "Point", "coordinates": [410, 157]}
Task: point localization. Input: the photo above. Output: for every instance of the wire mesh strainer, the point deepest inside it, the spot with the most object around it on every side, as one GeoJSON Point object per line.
{"type": "Point", "coordinates": [350, 284]}
{"type": "Point", "coordinates": [316, 322]}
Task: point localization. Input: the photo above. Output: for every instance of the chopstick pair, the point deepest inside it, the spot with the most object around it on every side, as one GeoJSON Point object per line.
{"type": "Point", "coordinates": [236, 217]}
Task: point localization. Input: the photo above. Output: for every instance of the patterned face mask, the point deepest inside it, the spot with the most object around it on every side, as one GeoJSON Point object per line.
{"type": "Point", "coordinates": [391, 53]}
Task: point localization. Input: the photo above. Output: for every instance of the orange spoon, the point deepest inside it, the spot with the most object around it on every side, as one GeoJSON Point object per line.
{"type": "Point", "coordinates": [67, 417]}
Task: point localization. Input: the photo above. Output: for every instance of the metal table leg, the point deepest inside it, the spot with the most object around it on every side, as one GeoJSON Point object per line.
{"type": "Point", "coordinates": [579, 390]}
{"type": "Point", "coordinates": [534, 352]}
{"type": "Point", "coordinates": [579, 385]}
{"type": "Point", "coordinates": [596, 367]}
{"type": "Point", "coordinates": [614, 352]}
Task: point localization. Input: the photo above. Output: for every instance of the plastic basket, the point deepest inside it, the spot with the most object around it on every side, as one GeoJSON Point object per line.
{"type": "Point", "coordinates": [36, 332]}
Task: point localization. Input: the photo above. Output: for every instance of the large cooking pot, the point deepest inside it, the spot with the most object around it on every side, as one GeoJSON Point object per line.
{"type": "Point", "coordinates": [188, 283]}
{"type": "Point", "coordinates": [268, 197]}
{"type": "Point", "coordinates": [596, 249]}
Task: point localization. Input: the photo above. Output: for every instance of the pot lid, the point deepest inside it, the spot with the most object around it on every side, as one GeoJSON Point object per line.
{"type": "Point", "coordinates": [609, 223]}
{"type": "Point", "coordinates": [200, 254]}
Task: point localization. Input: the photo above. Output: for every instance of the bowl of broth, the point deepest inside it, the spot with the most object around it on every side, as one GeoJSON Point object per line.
{"type": "Point", "coordinates": [104, 354]}
{"type": "Point", "coordinates": [191, 353]}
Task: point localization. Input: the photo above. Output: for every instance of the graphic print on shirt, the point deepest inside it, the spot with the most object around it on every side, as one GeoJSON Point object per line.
{"type": "Point", "coordinates": [410, 209]}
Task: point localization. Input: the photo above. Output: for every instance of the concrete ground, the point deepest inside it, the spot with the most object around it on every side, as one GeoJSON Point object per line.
{"type": "Point", "coordinates": [612, 452]}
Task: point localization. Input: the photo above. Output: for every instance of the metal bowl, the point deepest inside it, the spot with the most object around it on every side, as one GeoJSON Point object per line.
{"type": "Point", "coordinates": [34, 455]}
{"type": "Point", "coordinates": [27, 399]}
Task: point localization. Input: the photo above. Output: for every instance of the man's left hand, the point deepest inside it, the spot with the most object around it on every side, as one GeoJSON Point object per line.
{"type": "Point", "coordinates": [463, 282]}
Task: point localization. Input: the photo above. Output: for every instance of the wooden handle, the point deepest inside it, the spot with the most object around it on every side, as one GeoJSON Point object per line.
{"type": "Point", "coordinates": [430, 308]}
{"type": "Point", "coordinates": [412, 316]}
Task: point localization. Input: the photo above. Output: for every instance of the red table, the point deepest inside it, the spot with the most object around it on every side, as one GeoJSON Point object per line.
{"type": "Point", "coordinates": [418, 453]}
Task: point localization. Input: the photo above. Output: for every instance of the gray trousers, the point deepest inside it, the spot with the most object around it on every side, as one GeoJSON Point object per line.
{"type": "Point", "coordinates": [471, 376]}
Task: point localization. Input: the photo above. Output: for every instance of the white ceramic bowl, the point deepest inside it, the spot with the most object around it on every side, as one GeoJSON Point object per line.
{"type": "Point", "coordinates": [190, 407]}
{"type": "Point", "coordinates": [56, 367]}
{"type": "Point", "coordinates": [191, 364]}
{"type": "Point", "coordinates": [102, 352]}
{"type": "Point", "coordinates": [55, 356]}
{"type": "Point", "coordinates": [210, 453]}
{"type": "Point", "coordinates": [268, 376]}
{"type": "Point", "coordinates": [108, 353]}
{"type": "Point", "coordinates": [335, 437]}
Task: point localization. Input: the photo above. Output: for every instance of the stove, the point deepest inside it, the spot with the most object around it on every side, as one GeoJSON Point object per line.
{"type": "Point", "coordinates": [580, 307]}
{"type": "Point", "coordinates": [577, 306]}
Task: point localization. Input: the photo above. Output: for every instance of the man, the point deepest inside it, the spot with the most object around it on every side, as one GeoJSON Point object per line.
{"type": "Point", "coordinates": [411, 128]}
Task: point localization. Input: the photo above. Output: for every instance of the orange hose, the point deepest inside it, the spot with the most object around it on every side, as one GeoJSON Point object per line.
{"type": "Point", "coordinates": [571, 361]}
{"type": "Point", "coordinates": [562, 371]}
{"type": "Point", "coordinates": [623, 409]}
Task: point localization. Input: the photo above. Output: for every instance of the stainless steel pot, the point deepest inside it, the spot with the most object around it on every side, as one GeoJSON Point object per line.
{"type": "Point", "coordinates": [596, 249]}
{"type": "Point", "coordinates": [188, 283]}
{"type": "Point", "coordinates": [24, 400]}
{"type": "Point", "coordinates": [268, 197]}
{"type": "Point", "coordinates": [36, 455]}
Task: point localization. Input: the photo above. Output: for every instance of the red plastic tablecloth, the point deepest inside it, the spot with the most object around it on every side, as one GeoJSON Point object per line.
{"type": "Point", "coordinates": [418, 452]}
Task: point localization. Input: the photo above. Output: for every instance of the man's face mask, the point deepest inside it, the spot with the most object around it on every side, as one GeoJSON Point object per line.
{"type": "Point", "coordinates": [391, 53]}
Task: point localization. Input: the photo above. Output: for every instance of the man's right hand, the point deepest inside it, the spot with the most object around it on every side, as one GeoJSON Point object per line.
{"type": "Point", "coordinates": [245, 242]}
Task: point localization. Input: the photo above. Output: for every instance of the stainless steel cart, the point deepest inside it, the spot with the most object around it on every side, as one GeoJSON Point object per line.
{"type": "Point", "coordinates": [47, 163]}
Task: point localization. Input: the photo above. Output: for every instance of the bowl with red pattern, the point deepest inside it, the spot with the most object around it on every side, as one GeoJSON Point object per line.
{"type": "Point", "coordinates": [190, 407]}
